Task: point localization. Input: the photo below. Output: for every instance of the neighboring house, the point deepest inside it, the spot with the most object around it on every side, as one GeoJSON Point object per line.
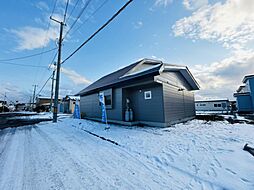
{"type": "Point", "coordinates": [68, 103]}
{"type": "Point", "coordinates": [44, 102]}
{"type": "Point", "coordinates": [153, 92]}
{"type": "Point", "coordinates": [2, 103]}
{"type": "Point", "coordinates": [20, 107]}
{"type": "Point", "coordinates": [212, 106]}
{"type": "Point", "coordinates": [3, 106]}
{"type": "Point", "coordinates": [245, 95]}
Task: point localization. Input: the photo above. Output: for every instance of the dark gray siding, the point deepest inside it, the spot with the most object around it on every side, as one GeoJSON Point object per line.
{"type": "Point", "coordinates": [178, 100]}
{"type": "Point", "coordinates": [150, 110]}
{"type": "Point", "coordinates": [89, 105]}
{"type": "Point", "coordinates": [176, 79]}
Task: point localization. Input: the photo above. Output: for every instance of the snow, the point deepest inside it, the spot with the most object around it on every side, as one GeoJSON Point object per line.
{"type": "Point", "coordinates": [63, 155]}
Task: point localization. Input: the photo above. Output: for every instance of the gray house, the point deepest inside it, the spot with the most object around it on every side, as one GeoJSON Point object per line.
{"type": "Point", "coordinates": [152, 92]}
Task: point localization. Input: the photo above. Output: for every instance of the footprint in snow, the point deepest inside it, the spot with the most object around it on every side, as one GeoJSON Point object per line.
{"type": "Point", "coordinates": [231, 171]}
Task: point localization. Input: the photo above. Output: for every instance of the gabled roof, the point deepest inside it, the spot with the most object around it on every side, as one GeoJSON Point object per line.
{"type": "Point", "coordinates": [140, 68]}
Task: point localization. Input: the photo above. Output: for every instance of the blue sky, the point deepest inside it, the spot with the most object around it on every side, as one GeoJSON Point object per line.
{"type": "Point", "coordinates": [213, 38]}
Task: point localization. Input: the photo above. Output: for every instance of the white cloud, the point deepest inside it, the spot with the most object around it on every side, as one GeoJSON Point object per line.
{"type": "Point", "coordinates": [163, 2]}
{"type": "Point", "coordinates": [32, 37]}
{"type": "Point", "coordinates": [42, 6]}
{"type": "Point", "coordinates": [76, 78]}
{"type": "Point", "coordinates": [231, 24]}
{"type": "Point", "coordinates": [194, 4]}
{"type": "Point", "coordinates": [138, 24]}
{"type": "Point", "coordinates": [220, 79]}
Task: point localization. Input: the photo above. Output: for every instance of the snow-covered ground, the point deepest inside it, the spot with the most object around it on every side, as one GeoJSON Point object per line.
{"type": "Point", "coordinates": [194, 155]}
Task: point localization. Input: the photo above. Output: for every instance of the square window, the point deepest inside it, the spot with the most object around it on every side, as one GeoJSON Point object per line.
{"type": "Point", "coordinates": [215, 105]}
{"type": "Point", "coordinates": [148, 95]}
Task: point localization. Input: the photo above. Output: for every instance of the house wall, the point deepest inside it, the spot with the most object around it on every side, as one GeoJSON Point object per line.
{"type": "Point", "coordinates": [251, 86]}
{"type": "Point", "coordinates": [90, 107]}
{"type": "Point", "coordinates": [179, 102]}
{"type": "Point", "coordinates": [244, 103]}
{"type": "Point", "coordinates": [147, 110]}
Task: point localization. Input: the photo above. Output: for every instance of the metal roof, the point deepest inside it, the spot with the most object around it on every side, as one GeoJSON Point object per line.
{"type": "Point", "coordinates": [136, 70]}
{"type": "Point", "coordinates": [247, 77]}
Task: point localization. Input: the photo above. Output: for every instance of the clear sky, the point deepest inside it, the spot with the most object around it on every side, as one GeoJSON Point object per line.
{"type": "Point", "coordinates": [213, 38]}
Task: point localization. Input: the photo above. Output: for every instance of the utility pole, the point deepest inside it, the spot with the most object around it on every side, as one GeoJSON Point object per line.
{"type": "Point", "coordinates": [35, 85]}
{"type": "Point", "coordinates": [58, 70]}
{"type": "Point", "coordinates": [52, 87]}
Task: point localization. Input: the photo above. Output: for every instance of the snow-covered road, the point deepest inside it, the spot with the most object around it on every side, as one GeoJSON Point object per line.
{"type": "Point", "coordinates": [195, 155]}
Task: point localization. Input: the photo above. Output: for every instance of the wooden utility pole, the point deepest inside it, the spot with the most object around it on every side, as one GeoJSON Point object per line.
{"type": "Point", "coordinates": [58, 67]}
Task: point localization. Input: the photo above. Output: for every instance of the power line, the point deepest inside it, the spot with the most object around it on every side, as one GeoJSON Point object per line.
{"type": "Point", "coordinates": [53, 60]}
{"type": "Point", "coordinates": [102, 27]}
{"type": "Point", "coordinates": [48, 27]}
{"type": "Point", "coordinates": [44, 84]}
{"type": "Point", "coordinates": [72, 10]}
{"type": "Point", "coordinates": [66, 8]}
{"type": "Point", "coordinates": [80, 14]}
{"type": "Point", "coordinates": [24, 65]}
{"type": "Point", "coordinates": [28, 56]}
{"type": "Point", "coordinates": [54, 7]}
{"type": "Point", "coordinates": [85, 21]}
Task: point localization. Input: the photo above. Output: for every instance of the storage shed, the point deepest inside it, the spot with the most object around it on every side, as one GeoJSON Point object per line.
{"type": "Point", "coordinates": [245, 95]}
{"type": "Point", "coordinates": [158, 94]}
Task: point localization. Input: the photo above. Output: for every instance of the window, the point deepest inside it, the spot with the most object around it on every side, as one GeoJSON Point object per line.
{"type": "Point", "coordinates": [215, 105]}
{"type": "Point", "coordinates": [148, 95]}
{"type": "Point", "coordinates": [107, 98]}
{"type": "Point", "coordinates": [108, 101]}
{"type": "Point", "coordinates": [219, 105]}
{"type": "Point", "coordinates": [202, 104]}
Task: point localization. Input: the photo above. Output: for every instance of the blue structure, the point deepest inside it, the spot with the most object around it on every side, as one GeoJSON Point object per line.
{"type": "Point", "coordinates": [245, 95]}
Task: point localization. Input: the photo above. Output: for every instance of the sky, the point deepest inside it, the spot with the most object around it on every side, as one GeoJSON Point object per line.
{"type": "Point", "coordinates": [213, 38]}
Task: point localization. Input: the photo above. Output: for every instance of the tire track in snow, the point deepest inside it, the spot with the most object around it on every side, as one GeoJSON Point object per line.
{"type": "Point", "coordinates": [84, 175]}
{"type": "Point", "coordinates": [30, 172]}
{"type": "Point", "coordinates": [13, 162]}
{"type": "Point", "coordinates": [5, 149]}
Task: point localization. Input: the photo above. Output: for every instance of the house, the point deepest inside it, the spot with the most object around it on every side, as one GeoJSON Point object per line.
{"type": "Point", "coordinates": [2, 103]}
{"type": "Point", "coordinates": [68, 103]}
{"type": "Point", "coordinates": [213, 106]}
{"type": "Point", "coordinates": [154, 93]}
{"type": "Point", "coordinates": [245, 95]}
{"type": "Point", "coordinates": [20, 107]}
{"type": "Point", "coordinates": [43, 103]}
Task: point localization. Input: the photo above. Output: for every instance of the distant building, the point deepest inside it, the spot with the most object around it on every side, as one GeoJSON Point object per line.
{"type": "Point", "coordinates": [148, 92]}
{"type": "Point", "coordinates": [68, 103]}
{"type": "Point", "coordinates": [213, 106]}
{"type": "Point", "coordinates": [2, 103]}
{"type": "Point", "coordinates": [245, 95]}
{"type": "Point", "coordinates": [20, 107]}
{"type": "Point", "coordinates": [43, 103]}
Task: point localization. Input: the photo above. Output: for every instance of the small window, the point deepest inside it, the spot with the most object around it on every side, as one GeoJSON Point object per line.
{"type": "Point", "coordinates": [148, 95]}
{"type": "Point", "coordinates": [202, 104]}
{"type": "Point", "coordinates": [219, 105]}
{"type": "Point", "coordinates": [215, 105]}
{"type": "Point", "coordinates": [108, 101]}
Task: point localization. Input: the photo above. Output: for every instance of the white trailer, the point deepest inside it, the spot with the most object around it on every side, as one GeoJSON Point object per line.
{"type": "Point", "coordinates": [212, 106]}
